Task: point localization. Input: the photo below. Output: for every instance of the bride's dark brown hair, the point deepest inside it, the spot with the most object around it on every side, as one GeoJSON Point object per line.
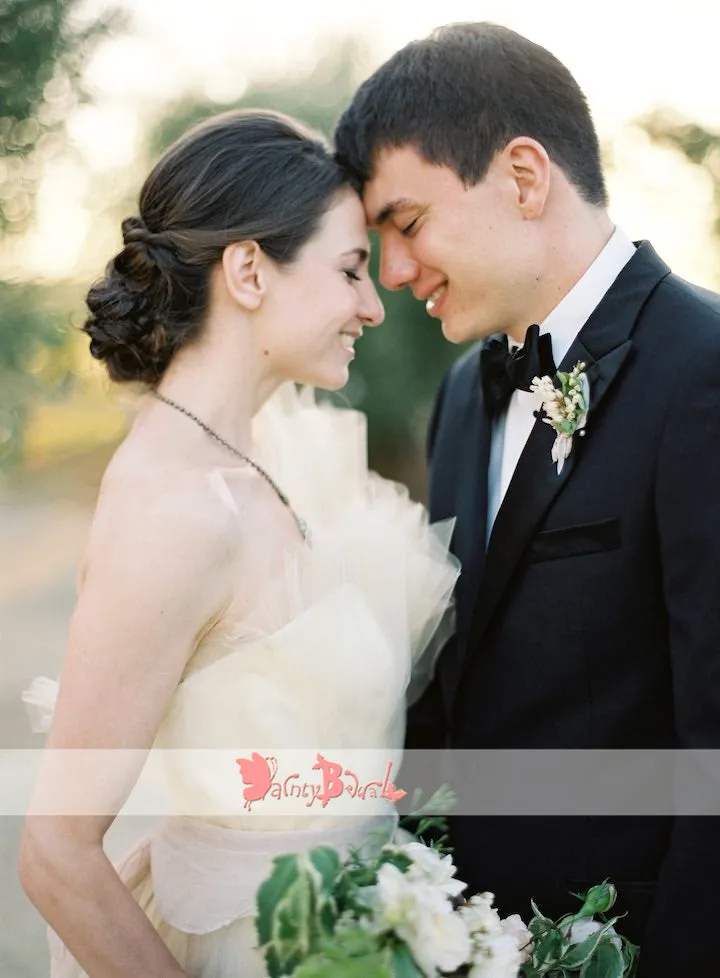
{"type": "Point", "coordinates": [244, 175]}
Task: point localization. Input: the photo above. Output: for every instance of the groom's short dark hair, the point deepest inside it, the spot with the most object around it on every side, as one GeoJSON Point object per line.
{"type": "Point", "coordinates": [460, 96]}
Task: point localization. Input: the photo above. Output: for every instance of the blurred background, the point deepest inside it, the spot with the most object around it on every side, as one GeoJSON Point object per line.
{"type": "Point", "coordinates": [90, 94]}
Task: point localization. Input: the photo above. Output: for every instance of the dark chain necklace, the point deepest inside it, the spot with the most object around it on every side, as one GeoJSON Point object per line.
{"type": "Point", "coordinates": [302, 524]}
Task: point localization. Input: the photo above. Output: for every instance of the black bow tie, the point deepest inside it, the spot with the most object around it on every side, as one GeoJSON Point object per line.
{"type": "Point", "coordinates": [502, 372]}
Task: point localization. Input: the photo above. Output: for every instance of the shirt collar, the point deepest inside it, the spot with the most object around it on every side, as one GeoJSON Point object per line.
{"type": "Point", "coordinates": [572, 312]}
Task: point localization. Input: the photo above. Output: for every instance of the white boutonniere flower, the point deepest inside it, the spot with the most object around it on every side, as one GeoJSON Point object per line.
{"type": "Point", "coordinates": [565, 407]}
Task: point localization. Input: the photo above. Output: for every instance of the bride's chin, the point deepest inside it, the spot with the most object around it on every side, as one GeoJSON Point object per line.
{"type": "Point", "coordinates": [331, 378]}
{"type": "Point", "coordinates": [334, 384]}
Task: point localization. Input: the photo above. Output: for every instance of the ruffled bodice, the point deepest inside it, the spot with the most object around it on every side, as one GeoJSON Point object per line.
{"type": "Point", "coordinates": [347, 632]}
{"type": "Point", "coordinates": [324, 663]}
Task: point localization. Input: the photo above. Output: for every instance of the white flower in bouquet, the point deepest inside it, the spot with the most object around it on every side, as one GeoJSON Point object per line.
{"type": "Point", "coordinates": [497, 957]}
{"type": "Point", "coordinates": [480, 916]}
{"type": "Point", "coordinates": [422, 916]}
{"type": "Point", "coordinates": [428, 866]}
{"type": "Point", "coordinates": [515, 926]}
{"type": "Point", "coordinates": [394, 912]}
{"type": "Point", "coordinates": [496, 944]}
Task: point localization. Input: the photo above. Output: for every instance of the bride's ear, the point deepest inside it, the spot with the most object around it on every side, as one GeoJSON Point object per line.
{"type": "Point", "coordinates": [244, 273]}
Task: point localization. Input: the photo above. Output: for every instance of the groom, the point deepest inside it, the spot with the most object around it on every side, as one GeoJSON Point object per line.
{"type": "Point", "coordinates": [589, 604]}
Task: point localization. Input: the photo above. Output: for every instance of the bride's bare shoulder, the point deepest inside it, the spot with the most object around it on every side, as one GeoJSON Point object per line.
{"type": "Point", "coordinates": [151, 502]}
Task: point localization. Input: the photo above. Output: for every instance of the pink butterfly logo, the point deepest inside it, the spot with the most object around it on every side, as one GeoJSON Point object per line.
{"type": "Point", "coordinates": [257, 772]}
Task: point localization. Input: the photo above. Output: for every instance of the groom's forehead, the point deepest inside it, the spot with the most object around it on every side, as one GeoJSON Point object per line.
{"type": "Point", "coordinates": [402, 179]}
{"type": "Point", "coordinates": [380, 214]}
{"type": "Point", "coordinates": [394, 184]}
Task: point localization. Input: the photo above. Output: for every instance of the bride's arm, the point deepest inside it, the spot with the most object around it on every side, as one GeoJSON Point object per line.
{"type": "Point", "coordinates": [158, 574]}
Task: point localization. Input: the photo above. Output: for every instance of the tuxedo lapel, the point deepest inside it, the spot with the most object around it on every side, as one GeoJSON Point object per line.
{"type": "Point", "coordinates": [469, 444]}
{"type": "Point", "coordinates": [472, 501]}
{"type": "Point", "coordinates": [604, 345]}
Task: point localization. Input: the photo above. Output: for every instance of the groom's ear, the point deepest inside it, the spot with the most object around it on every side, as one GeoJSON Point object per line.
{"type": "Point", "coordinates": [530, 166]}
{"type": "Point", "coordinates": [244, 273]}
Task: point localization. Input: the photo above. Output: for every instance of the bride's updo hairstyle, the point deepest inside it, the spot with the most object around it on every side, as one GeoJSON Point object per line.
{"type": "Point", "coordinates": [246, 175]}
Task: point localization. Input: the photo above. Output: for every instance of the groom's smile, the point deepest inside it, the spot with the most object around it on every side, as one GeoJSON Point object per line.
{"type": "Point", "coordinates": [437, 300]}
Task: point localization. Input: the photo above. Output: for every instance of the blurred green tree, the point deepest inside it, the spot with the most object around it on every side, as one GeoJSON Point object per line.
{"type": "Point", "coordinates": [398, 367]}
{"type": "Point", "coordinates": [33, 318]}
{"type": "Point", "coordinates": [44, 46]}
{"type": "Point", "coordinates": [698, 145]}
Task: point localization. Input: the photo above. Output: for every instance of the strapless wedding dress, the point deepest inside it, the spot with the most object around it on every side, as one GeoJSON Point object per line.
{"type": "Point", "coordinates": [324, 665]}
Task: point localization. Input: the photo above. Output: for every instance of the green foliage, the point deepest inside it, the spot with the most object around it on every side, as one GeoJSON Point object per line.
{"type": "Point", "coordinates": [602, 954]}
{"type": "Point", "coordinates": [316, 918]}
{"type": "Point", "coordinates": [297, 908]}
{"type": "Point", "coordinates": [697, 144]}
{"type": "Point", "coordinates": [340, 962]}
{"type": "Point", "coordinates": [607, 963]}
{"type": "Point", "coordinates": [309, 913]}
{"type": "Point", "coordinates": [403, 963]}
{"type": "Point", "coordinates": [30, 321]}
{"type": "Point", "coordinates": [398, 367]}
{"type": "Point", "coordinates": [317, 99]}
{"type": "Point", "coordinates": [44, 50]}
{"type": "Point", "coordinates": [424, 821]}
{"type": "Point", "coordinates": [353, 953]}
{"type": "Point", "coordinates": [579, 954]}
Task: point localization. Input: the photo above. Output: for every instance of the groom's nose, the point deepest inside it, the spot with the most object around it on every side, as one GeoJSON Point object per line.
{"type": "Point", "coordinates": [397, 268]}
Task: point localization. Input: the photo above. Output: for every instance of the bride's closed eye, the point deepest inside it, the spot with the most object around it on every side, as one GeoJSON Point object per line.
{"type": "Point", "coordinates": [352, 274]}
{"type": "Point", "coordinates": [408, 229]}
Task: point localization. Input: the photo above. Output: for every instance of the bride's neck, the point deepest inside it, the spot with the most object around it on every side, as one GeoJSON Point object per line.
{"type": "Point", "coordinates": [224, 388]}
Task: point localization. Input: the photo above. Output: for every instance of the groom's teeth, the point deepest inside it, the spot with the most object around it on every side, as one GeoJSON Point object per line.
{"type": "Point", "coordinates": [347, 341]}
{"type": "Point", "coordinates": [433, 299]}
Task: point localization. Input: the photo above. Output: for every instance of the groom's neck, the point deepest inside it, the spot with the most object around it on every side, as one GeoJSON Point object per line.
{"type": "Point", "coordinates": [573, 236]}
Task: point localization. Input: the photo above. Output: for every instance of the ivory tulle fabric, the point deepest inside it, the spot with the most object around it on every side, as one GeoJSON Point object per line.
{"type": "Point", "coordinates": [327, 661]}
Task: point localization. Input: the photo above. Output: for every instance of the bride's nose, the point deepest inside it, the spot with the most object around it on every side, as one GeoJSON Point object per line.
{"type": "Point", "coordinates": [371, 311]}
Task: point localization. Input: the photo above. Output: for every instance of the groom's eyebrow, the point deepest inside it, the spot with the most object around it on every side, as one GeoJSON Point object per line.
{"type": "Point", "coordinates": [399, 204]}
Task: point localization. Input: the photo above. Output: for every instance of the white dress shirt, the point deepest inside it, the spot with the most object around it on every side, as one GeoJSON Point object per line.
{"type": "Point", "coordinates": [511, 428]}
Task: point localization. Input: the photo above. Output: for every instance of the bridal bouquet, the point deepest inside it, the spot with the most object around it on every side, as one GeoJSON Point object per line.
{"type": "Point", "coordinates": [400, 914]}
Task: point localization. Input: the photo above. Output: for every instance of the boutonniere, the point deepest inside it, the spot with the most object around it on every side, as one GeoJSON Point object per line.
{"type": "Point", "coordinates": [565, 407]}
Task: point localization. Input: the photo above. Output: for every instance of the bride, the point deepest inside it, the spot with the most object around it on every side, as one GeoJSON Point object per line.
{"type": "Point", "coordinates": [247, 584]}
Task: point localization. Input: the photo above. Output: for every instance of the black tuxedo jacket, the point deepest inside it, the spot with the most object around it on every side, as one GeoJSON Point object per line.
{"type": "Point", "coordinates": [593, 618]}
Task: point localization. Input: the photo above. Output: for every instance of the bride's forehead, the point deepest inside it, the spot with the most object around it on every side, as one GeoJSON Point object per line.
{"type": "Point", "coordinates": [343, 226]}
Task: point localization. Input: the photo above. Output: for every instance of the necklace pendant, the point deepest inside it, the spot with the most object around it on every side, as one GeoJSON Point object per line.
{"type": "Point", "coordinates": [303, 527]}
